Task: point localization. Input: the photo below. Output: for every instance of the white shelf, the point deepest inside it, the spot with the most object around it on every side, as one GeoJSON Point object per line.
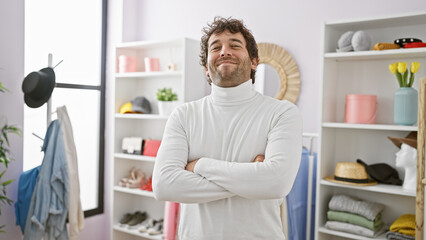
{"type": "Point", "coordinates": [363, 72]}
{"type": "Point", "coordinates": [381, 188]}
{"type": "Point", "coordinates": [137, 233]}
{"type": "Point", "coordinates": [134, 157]}
{"type": "Point", "coordinates": [376, 55]}
{"type": "Point", "coordinates": [185, 81]}
{"type": "Point", "coordinates": [140, 116]}
{"type": "Point", "coordinates": [389, 127]}
{"type": "Point", "coordinates": [138, 45]}
{"type": "Point", "coordinates": [134, 191]}
{"type": "Point", "coordinates": [148, 74]}
{"type": "Point", "coordinates": [350, 236]}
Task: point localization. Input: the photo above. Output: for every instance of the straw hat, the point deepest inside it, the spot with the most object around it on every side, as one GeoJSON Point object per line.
{"type": "Point", "coordinates": [350, 173]}
{"type": "Point", "coordinates": [410, 139]}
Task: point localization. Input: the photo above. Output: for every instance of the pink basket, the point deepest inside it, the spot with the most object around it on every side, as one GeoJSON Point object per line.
{"type": "Point", "coordinates": [360, 108]}
{"type": "Point", "coordinates": [127, 64]}
{"type": "Point", "coordinates": [152, 64]}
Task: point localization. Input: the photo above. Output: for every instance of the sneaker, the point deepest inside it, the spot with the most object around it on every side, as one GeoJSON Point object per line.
{"type": "Point", "coordinates": [157, 228]}
{"type": "Point", "coordinates": [146, 225]}
{"type": "Point", "coordinates": [137, 219]}
{"type": "Point", "coordinates": [125, 219]}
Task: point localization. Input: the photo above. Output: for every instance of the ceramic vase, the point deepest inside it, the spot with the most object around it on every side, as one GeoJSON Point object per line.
{"type": "Point", "coordinates": [165, 108]}
{"type": "Point", "coordinates": [405, 106]}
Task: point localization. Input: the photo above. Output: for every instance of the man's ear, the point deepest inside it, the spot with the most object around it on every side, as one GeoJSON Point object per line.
{"type": "Point", "coordinates": [207, 72]}
{"type": "Point", "coordinates": [208, 76]}
{"type": "Point", "coordinates": [254, 63]}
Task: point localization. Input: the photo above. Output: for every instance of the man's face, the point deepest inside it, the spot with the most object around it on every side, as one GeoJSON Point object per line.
{"type": "Point", "coordinates": [228, 61]}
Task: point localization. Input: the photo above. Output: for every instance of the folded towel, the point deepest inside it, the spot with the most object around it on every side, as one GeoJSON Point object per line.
{"type": "Point", "coordinates": [344, 203]}
{"type": "Point", "coordinates": [351, 228]}
{"type": "Point", "coordinates": [397, 236]}
{"type": "Point", "coordinates": [385, 46]}
{"type": "Point", "coordinates": [405, 224]}
{"type": "Point", "coordinates": [355, 219]}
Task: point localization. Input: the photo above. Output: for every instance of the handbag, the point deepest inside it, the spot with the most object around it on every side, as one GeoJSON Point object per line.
{"type": "Point", "coordinates": [150, 147]}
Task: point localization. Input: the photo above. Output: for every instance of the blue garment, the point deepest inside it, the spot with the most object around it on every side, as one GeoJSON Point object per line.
{"type": "Point", "coordinates": [297, 200]}
{"type": "Point", "coordinates": [26, 185]}
{"type": "Point", "coordinates": [49, 204]}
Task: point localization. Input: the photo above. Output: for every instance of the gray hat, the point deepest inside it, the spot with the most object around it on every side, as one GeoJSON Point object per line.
{"type": "Point", "coordinates": [361, 41]}
{"type": "Point", "coordinates": [345, 42]}
{"type": "Point", "coordinates": [353, 41]}
{"type": "Point", "coordinates": [141, 104]}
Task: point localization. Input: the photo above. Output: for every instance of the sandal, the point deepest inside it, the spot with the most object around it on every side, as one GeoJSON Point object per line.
{"type": "Point", "coordinates": [123, 182]}
{"type": "Point", "coordinates": [137, 176]}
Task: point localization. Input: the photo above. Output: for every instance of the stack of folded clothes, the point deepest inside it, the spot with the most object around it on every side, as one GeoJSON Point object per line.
{"type": "Point", "coordinates": [404, 228]}
{"type": "Point", "coordinates": [350, 215]}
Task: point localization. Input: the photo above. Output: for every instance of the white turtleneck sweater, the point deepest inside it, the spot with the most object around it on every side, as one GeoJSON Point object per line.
{"type": "Point", "coordinates": [228, 196]}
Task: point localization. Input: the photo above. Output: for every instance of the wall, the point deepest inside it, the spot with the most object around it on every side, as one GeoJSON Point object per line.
{"type": "Point", "coordinates": [11, 104]}
{"type": "Point", "coordinates": [294, 25]}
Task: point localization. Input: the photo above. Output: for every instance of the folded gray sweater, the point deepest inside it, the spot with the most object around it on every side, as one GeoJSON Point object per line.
{"type": "Point", "coordinates": [351, 228]}
{"type": "Point", "coordinates": [344, 203]}
{"type": "Point", "coordinates": [398, 236]}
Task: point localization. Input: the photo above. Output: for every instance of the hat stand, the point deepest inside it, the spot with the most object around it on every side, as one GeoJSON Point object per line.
{"type": "Point", "coordinates": [49, 102]}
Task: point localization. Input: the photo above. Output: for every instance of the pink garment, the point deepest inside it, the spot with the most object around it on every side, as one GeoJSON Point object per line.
{"type": "Point", "coordinates": [171, 214]}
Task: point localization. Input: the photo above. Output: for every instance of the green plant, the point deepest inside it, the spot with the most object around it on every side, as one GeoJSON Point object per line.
{"type": "Point", "coordinates": [5, 158]}
{"type": "Point", "coordinates": [166, 94]}
{"type": "Point", "coordinates": [401, 73]}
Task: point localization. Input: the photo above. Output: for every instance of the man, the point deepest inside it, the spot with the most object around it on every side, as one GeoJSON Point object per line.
{"type": "Point", "coordinates": [231, 157]}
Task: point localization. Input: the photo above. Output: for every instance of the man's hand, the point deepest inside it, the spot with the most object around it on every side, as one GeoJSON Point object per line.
{"type": "Point", "coordinates": [191, 165]}
{"type": "Point", "coordinates": [259, 158]}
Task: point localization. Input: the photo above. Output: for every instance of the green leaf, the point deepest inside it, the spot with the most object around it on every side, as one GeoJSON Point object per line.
{"type": "Point", "coordinates": [7, 182]}
{"type": "Point", "coordinates": [399, 78]}
{"type": "Point", "coordinates": [405, 79]}
{"type": "Point", "coordinates": [3, 89]}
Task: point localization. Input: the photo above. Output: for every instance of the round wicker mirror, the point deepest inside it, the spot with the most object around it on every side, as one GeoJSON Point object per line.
{"type": "Point", "coordinates": [286, 68]}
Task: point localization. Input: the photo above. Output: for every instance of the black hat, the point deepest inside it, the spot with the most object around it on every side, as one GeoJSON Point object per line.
{"type": "Point", "coordinates": [382, 173]}
{"type": "Point", "coordinates": [38, 87]}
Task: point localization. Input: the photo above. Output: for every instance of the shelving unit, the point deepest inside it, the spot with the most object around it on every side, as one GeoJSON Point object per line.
{"type": "Point", "coordinates": [364, 72]}
{"type": "Point", "coordinates": [188, 80]}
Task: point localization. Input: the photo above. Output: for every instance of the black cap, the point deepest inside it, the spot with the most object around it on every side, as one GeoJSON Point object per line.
{"type": "Point", "coordinates": [382, 173]}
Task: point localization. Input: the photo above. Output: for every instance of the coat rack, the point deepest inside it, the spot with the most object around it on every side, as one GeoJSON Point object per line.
{"type": "Point", "coordinates": [49, 102]}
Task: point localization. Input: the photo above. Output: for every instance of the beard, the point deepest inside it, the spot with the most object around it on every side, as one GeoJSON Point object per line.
{"type": "Point", "coordinates": [230, 75]}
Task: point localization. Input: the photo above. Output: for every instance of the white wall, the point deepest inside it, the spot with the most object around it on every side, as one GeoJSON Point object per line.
{"type": "Point", "coordinates": [294, 25]}
{"type": "Point", "coordinates": [11, 104]}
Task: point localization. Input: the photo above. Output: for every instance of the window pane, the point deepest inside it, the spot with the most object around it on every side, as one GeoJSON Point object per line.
{"type": "Point", "coordinates": [71, 31]}
{"type": "Point", "coordinates": [83, 110]}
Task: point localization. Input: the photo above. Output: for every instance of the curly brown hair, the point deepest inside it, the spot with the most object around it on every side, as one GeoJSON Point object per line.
{"type": "Point", "coordinates": [220, 25]}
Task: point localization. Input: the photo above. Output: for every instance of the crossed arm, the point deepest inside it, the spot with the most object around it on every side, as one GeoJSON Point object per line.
{"type": "Point", "coordinates": [267, 177]}
{"type": "Point", "coordinates": [190, 166]}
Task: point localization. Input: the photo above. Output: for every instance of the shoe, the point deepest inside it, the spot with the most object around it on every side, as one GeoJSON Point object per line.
{"type": "Point", "coordinates": [125, 219]}
{"type": "Point", "coordinates": [147, 186]}
{"type": "Point", "coordinates": [157, 228]}
{"type": "Point", "coordinates": [137, 176]}
{"type": "Point", "coordinates": [137, 219]}
{"type": "Point", "coordinates": [123, 182]}
{"type": "Point", "coordinates": [146, 225]}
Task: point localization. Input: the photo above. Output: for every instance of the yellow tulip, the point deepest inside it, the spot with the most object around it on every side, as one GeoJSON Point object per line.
{"type": "Point", "coordinates": [415, 66]}
{"type": "Point", "coordinates": [393, 67]}
{"type": "Point", "coordinates": [402, 67]}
